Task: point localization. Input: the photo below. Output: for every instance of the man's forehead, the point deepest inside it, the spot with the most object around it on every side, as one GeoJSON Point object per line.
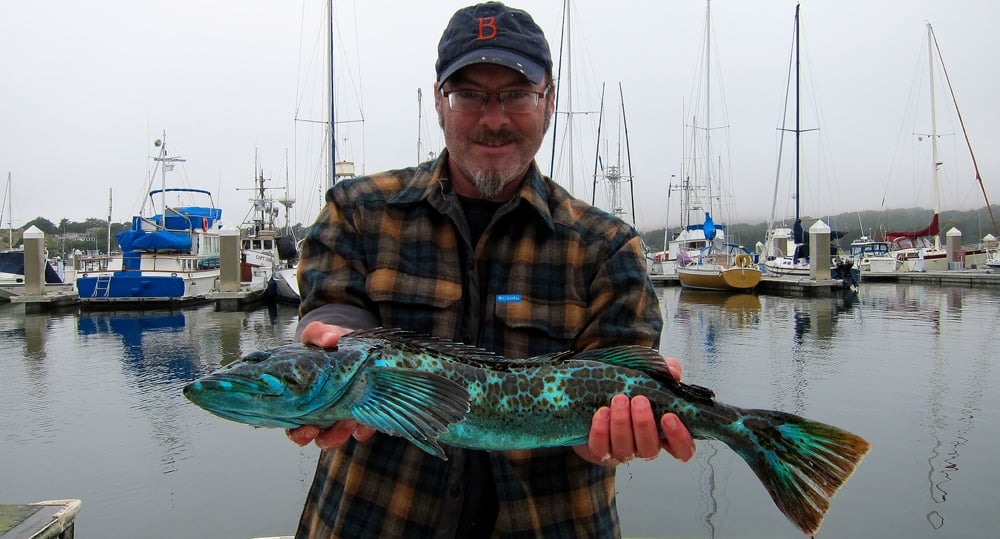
{"type": "Point", "coordinates": [492, 73]}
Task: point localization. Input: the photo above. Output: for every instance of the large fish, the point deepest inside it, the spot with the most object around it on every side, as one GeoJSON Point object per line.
{"type": "Point", "coordinates": [432, 392]}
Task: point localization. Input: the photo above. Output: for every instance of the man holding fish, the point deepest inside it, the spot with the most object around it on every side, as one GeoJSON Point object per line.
{"type": "Point", "coordinates": [479, 247]}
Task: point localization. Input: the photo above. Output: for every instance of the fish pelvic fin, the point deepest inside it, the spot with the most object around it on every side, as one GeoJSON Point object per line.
{"type": "Point", "coordinates": [415, 405]}
{"type": "Point", "coordinates": [802, 463]}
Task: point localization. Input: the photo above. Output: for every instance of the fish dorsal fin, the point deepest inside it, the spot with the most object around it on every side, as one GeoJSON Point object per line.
{"type": "Point", "coordinates": [415, 405]}
{"type": "Point", "coordinates": [460, 352]}
{"type": "Point", "coordinates": [642, 358]}
{"type": "Point", "coordinates": [647, 360]}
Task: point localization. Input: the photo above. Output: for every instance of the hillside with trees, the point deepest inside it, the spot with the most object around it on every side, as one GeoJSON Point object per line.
{"type": "Point", "coordinates": [91, 234]}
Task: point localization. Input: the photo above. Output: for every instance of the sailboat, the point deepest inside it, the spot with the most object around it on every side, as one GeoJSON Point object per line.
{"type": "Point", "coordinates": [284, 283]}
{"type": "Point", "coordinates": [611, 176]}
{"type": "Point", "coordinates": [703, 259]}
{"type": "Point", "coordinates": [786, 249]}
{"type": "Point", "coordinates": [920, 250]}
{"type": "Point", "coordinates": [12, 278]}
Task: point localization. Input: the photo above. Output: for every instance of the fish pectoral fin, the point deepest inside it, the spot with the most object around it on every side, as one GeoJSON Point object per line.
{"type": "Point", "coordinates": [415, 405]}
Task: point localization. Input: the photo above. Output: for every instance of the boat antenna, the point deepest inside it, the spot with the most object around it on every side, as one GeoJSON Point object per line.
{"type": "Point", "coordinates": [109, 221]}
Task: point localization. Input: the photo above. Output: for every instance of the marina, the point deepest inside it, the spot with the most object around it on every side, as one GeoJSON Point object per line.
{"type": "Point", "coordinates": [92, 410]}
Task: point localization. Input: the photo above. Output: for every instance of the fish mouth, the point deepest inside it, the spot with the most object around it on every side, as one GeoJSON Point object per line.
{"type": "Point", "coordinates": [245, 399]}
{"type": "Point", "coordinates": [230, 384]}
{"type": "Point", "coordinates": [259, 420]}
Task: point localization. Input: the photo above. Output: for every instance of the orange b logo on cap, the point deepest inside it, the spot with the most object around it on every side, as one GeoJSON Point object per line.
{"type": "Point", "coordinates": [487, 28]}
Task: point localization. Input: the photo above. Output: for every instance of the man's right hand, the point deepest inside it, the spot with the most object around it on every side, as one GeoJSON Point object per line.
{"type": "Point", "coordinates": [326, 336]}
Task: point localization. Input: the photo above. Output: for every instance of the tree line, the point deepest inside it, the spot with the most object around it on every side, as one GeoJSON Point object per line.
{"type": "Point", "coordinates": [80, 236]}
{"type": "Point", "coordinates": [974, 225]}
{"type": "Point", "coordinates": [91, 234]}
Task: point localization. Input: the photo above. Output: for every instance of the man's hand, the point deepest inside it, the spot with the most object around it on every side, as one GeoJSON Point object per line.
{"type": "Point", "coordinates": [326, 336]}
{"type": "Point", "coordinates": [627, 429]}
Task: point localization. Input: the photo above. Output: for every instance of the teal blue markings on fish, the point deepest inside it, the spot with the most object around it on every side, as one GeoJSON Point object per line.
{"type": "Point", "coordinates": [433, 392]}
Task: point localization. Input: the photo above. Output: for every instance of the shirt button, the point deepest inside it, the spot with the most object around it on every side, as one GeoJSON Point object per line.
{"type": "Point", "coordinates": [455, 491]}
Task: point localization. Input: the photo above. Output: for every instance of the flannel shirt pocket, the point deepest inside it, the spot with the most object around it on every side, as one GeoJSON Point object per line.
{"type": "Point", "coordinates": [560, 320]}
{"type": "Point", "coordinates": [414, 302]}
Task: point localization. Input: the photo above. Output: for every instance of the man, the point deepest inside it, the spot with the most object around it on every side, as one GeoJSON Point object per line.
{"type": "Point", "coordinates": [478, 246]}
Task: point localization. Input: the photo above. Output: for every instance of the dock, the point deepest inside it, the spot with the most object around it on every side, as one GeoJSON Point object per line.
{"type": "Point", "coordinates": [968, 277]}
{"type": "Point", "coordinates": [50, 519]}
{"type": "Point", "coordinates": [779, 286]}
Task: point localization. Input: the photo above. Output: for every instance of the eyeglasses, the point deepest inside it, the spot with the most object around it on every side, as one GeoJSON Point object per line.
{"type": "Point", "coordinates": [511, 101]}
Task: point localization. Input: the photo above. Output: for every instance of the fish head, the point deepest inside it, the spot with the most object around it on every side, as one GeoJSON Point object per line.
{"type": "Point", "coordinates": [281, 387]}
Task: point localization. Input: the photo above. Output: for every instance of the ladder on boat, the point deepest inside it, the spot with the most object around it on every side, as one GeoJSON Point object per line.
{"type": "Point", "coordinates": [102, 287]}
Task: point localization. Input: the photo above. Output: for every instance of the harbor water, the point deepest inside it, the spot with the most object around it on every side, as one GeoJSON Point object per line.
{"type": "Point", "coordinates": [91, 408]}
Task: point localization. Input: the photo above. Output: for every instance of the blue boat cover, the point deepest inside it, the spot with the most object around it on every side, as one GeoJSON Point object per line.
{"type": "Point", "coordinates": [161, 240]}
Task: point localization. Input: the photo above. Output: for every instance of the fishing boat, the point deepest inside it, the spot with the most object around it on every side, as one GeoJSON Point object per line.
{"type": "Point", "coordinates": [921, 250]}
{"type": "Point", "coordinates": [170, 257]}
{"type": "Point", "coordinates": [872, 256]}
{"type": "Point", "coordinates": [786, 250]}
{"type": "Point", "coordinates": [702, 257]}
{"type": "Point", "coordinates": [264, 251]}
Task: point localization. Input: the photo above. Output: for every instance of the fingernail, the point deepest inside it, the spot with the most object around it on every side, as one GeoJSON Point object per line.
{"type": "Point", "coordinates": [640, 403]}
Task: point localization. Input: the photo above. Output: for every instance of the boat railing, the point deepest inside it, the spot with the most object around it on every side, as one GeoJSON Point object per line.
{"type": "Point", "coordinates": [171, 262]}
{"type": "Point", "coordinates": [89, 264]}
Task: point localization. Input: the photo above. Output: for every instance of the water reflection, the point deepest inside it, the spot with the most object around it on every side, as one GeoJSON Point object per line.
{"type": "Point", "coordinates": [943, 462]}
{"type": "Point", "coordinates": [736, 309]}
{"type": "Point", "coordinates": [707, 486]}
{"type": "Point", "coordinates": [157, 355]}
{"type": "Point", "coordinates": [30, 333]}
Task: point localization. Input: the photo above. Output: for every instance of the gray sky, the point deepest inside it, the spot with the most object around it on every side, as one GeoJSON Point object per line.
{"type": "Point", "coordinates": [87, 86]}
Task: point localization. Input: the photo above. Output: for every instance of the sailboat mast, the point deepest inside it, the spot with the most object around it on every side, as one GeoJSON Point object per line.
{"type": "Point", "coordinates": [10, 212]}
{"type": "Point", "coordinates": [934, 133]}
{"type": "Point", "coordinates": [798, 131]}
{"type": "Point", "coordinates": [332, 162]}
{"type": "Point", "coordinates": [965, 133]}
{"type": "Point", "coordinates": [628, 155]}
{"type": "Point", "coordinates": [597, 152]}
{"type": "Point", "coordinates": [555, 116]}
{"type": "Point", "coordinates": [708, 103]}
{"type": "Point", "coordinates": [420, 119]}
{"type": "Point", "coordinates": [569, 101]}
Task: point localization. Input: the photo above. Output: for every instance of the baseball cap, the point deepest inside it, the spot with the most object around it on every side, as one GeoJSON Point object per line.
{"type": "Point", "coordinates": [495, 34]}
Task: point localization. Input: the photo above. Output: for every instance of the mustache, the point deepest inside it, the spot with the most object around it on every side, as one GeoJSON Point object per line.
{"type": "Point", "coordinates": [495, 138]}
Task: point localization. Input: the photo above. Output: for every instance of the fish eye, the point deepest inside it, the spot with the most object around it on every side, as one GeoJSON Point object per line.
{"type": "Point", "coordinates": [290, 380]}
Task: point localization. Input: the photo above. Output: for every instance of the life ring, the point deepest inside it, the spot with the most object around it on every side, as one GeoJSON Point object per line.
{"type": "Point", "coordinates": [204, 224]}
{"type": "Point", "coordinates": [743, 260]}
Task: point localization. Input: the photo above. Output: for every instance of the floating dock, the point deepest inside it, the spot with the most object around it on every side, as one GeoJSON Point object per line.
{"type": "Point", "coordinates": [51, 519]}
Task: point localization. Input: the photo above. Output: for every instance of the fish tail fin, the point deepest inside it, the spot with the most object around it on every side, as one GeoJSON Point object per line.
{"type": "Point", "coordinates": [802, 463]}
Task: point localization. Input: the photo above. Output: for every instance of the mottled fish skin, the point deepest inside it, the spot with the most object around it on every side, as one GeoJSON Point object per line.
{"type": "Point", "coordinates": [432, 392]}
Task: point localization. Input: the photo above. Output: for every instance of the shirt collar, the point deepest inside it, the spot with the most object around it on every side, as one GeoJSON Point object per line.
{"type": "Point", "coordinates": [431, 177]}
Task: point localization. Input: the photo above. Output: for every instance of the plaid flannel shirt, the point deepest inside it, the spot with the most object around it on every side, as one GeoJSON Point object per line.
{"type": "Point", "coordinates": [549, 273]}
